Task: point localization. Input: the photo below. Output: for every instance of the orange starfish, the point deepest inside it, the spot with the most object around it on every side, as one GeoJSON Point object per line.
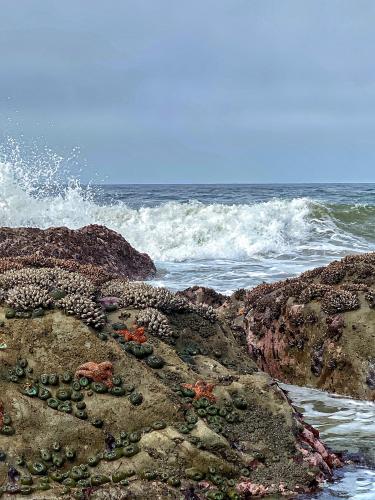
{"type": "Point", "coordinates": [202, 390]}
{"type": "Point", "coordinates": [138, 335]}
{"type": "Point", "coordinates": [98, 372]}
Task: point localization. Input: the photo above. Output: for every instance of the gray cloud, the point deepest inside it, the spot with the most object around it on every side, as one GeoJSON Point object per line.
{"type": "Point", "coordinates": [198, 91]}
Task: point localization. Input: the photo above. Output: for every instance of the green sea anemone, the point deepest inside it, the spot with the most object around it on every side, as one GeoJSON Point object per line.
{"type": "Point", "coordinates": [97, 422]}
{"type": "Point", "coordinates": [63, 394]}
{"type": "Point", "coordinates": [154, 361]}
{"type": "Point", "coordinates": [99, 387]}
{"type": "Point", "coordinates": [99, 479]}
{"type": "Point", "coordinates": [136, 398]}
{"type": "Point", "coordinates": [37, 468]}
{"type": "Point", "coordinates": [81, 414]}
{"type": "Point", "coordinates": [131, 450]}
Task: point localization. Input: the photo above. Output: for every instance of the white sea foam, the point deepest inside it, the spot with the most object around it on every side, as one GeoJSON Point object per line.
{"type": "Point", "coordinates": [173, 231]}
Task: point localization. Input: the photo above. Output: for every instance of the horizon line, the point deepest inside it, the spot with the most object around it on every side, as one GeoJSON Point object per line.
{"type": "Point", "coordinates": [227, 183]}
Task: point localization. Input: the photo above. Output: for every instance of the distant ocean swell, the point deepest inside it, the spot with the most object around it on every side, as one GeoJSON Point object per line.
{"type": "Point", "coordinates": [179, 231]}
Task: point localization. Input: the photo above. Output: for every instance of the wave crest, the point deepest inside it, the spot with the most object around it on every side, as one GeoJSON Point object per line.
{"type": "Point", "coordinates": [34, 195]}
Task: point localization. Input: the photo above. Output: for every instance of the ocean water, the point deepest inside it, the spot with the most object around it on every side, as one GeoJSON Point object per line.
{"type": "Point", "coordinates": [225, 237]}
{"type": "Point", "coordinates": [222, 236]}
{"type": "Point", "coordinates": [345, 425]}
{"type": "Point", "coordinates": [234, 236]}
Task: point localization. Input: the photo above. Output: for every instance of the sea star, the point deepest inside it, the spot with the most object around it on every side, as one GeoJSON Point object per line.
{"type": "Point", "coordinates": [202, 389]}
{"type": "Point", "coordinates": [97, 372]}
{"type": "Point", "coordinates": [138, 335]}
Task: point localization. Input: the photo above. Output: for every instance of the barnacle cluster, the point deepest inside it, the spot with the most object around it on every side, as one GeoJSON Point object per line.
{"type": "Point", "coordinates": [22, 277]}
{"type": "Point", "coordinates": [155, 321]}
{"type": "Point", "coordinates": [354, 287]}
{"type": "Point", "coordinates": [28, 297]}
{"type": "Point", "coordinates": [370, 297]}
{"type": "Point", "coordinates": [205, 311]}
{"type": "Point", "coordinates": [49, 279]}
{"type": "Point", "coordinates": [27, 289]}
{"type": "Point", "coordinates": [336, 286]}
{"type": "Point", "coordinates": [333, 274]}
{"type": "Point", "coordinates": [89, 312]}
{"type": "Point", "coordinates": [353, 268]}
{"type": "Point", "coordinates": [74, 283]}
{"type": "Point", "coordinates": [335, 301]}
{"type": "Point", "coordinates": [312, 292]}
{"type": "Point", "coordinates": [142, 296]}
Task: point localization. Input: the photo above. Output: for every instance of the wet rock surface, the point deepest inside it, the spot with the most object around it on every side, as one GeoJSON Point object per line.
{"type": "Point", "coordinates": [317, 329]}
{"type": "Point", "coordinates": [101, 401]}
{"type": "Point", "coordinates": [91, 245]}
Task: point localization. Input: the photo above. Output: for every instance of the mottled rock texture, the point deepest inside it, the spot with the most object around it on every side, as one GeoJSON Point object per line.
{"type": "Point", "coordinates": [203, 295]}
{"type": "Point", "coordinates": [91, 245]}
{"type": "Point", "coordinates": [155, 432]}
{"type": "Point", "coordinates": [317, 329]}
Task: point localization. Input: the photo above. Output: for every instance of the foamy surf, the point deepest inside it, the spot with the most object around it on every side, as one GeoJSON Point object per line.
{"type": "Point", "coordinates": [175, 231]}
{"type": "Point", "coordinates": [225, 245]}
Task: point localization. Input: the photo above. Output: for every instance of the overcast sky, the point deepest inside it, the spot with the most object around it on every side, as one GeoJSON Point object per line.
{"type": "Point", "coordinates": [197, 90]}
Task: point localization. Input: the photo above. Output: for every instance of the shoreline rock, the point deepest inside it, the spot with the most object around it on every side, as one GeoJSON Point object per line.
{"type": "Point", "coordinates": [316, 330]}
{"type": "Point", "coordinates": [118, 388]}
{"type": "Point", "coordinates": [93, 245]}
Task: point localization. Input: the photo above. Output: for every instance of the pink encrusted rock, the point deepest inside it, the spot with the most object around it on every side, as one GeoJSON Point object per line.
{"type": "Point", "coordinates": [91, 245]}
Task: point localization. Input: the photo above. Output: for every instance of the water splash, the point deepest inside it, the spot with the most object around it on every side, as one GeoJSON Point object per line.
{"type": "Point", "coordinates": [37, 187]}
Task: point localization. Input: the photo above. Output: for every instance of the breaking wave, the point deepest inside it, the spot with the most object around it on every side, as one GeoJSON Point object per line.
{"type": "Point", "coordinates": [179, 231]}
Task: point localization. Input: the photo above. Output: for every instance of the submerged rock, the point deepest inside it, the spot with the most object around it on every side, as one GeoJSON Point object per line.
{"type": "Point", "coordinates": [91, 245]}
{"type": "Point", "coordinates": [115, 414]}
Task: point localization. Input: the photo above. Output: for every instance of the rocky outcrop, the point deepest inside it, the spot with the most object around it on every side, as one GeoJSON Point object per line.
{"type": "Point", "coordinates": [203, 295]}
{"type": "Point", "coordinates": [92, 245]}
{"type": "Point", "coordinates": [130, 407]}
{"type": "Point", "coordinates": [316, 330]}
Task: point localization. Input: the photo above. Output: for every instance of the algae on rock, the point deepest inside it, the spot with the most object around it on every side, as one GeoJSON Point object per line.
{"type": "Point", "coordinates": [149, 429]}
